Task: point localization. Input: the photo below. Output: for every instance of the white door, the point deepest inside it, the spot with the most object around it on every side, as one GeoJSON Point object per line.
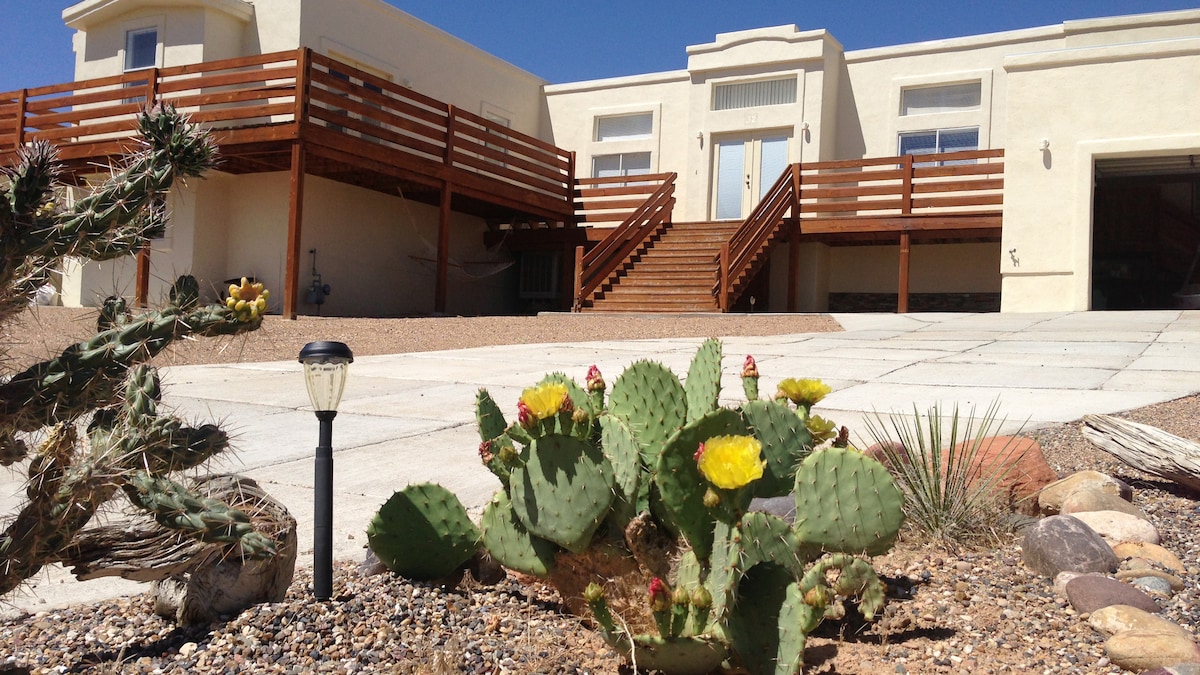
{"type": "Point", "coordinates": [745, 167]}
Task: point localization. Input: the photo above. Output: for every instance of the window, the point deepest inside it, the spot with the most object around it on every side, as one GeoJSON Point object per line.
{"type": "Point", "coordinates": [754, 94]}
{"type": "Point", "coordinates": [946, 98]}
{"type": "Point", "coordinates": [141, 48]}
{"type": "Point", "coordinates": [940, 140]}
{"type": "Point", "coordinates": [625, 164]}
{"type": "Point", "coordinates": [625, 127]}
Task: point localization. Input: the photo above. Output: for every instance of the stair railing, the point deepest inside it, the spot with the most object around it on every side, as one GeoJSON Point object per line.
{"type": "Point", "coordinates": [744, 245]}
{"type": "Point", "coordinates": [595, 266]}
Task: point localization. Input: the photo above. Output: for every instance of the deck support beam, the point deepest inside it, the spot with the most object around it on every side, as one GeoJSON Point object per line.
{"type": "Point", "coordinates": [443, 250]}
{"type": "Point", "coordinates": [902, 294]}
{"type": "Point", "coordinates": [142, 291]}
{"type": "Point", "coordinates": [291, 290]}
{"type": "Point", "coordinates": [793, 288]}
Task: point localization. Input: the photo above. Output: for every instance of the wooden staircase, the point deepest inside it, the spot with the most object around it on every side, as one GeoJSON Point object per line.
{"type": "Point", "coordinates": [673, 271]}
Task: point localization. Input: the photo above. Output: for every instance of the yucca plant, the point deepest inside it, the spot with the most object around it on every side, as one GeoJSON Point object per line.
{"type": "Point", "coordinates": [949, 494]}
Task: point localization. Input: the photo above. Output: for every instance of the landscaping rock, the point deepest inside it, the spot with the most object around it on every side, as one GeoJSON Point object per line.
{"type": "Point", "coordinates": [1139, 650]}
{"type": "Point", "coordinates": [1022, 464]}
{"type": "Point", "coordinates": [1152, 586]}
{"type": "Point", "coordinates": [1088, 499]}
{"type": "Point", "coordinates": [1051, 498]}
{"type": "Point", "coordinates": [1152, 552]}
{"type": "Point", "coordinates": [1061, 579]}
{"type": "Point", "coordinates": [1178, 669]}
{"type": "Point", "coordinates": [1174, 582]}
{"type": "Point", "coordinates": [1116, 527]}
{"type": "Point", "coordinates": [1089, 593]}
{"type": "Point", "coordinates": [1121, 618]}
{"type": "Point", "coordinates": [1065, 544]}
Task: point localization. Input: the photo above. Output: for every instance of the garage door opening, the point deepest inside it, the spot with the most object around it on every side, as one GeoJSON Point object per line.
{"type": "Point", "coordinates": [1146, 233]}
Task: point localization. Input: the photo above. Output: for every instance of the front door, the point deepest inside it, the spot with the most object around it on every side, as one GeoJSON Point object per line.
{"type": "Point", "coordinates": [745, 167]}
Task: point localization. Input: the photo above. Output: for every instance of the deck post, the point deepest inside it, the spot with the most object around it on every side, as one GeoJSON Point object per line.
{"type": "Point", "coordinates": [443, 250]}
{"type": "Point", "coordinates": [22, 104]}
{"type": "Point", "coordinates": [793, 288]}
{"type": "Point", "coordinates": [723, 285]}
{"type": "Point", "coordinates": [291, 289]}
{"type": "Point", "coordinates": [902, 294]}
{"type": "Point", "coordinates": [142, 292]}
{"type": "Point", "coordinates": [576, 301]}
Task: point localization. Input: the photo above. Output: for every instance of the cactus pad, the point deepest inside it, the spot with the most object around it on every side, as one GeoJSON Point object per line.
{"type": "Point", "coordinates": [698, 655]}
{"type": "Point", "coordinates": [764, 626]}
{"type": "Point", "coordinates": [846, 501]}
{"type": "Point", "coordinates": [651, 400]}
{"type": "Point", "coordinates": [488, 416]}
{"type": "Point", "coordinates": [423, 533]}
{"type": "Point", "coordinates": [563, 490]}
{"type": "Point", "coordinates": [510, 543]}
{"type": "Point", "coordinates": [786, 441]}
{"type": "Point", "coordinates": [767, 538]}
{"type": "Point", "coordinates": [703, 384]}
{"type": "Point", "coordinates": [621, 448]}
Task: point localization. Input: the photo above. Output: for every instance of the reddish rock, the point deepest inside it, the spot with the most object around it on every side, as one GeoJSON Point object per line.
{"type": "Point", "coordinates": [1023, 465]}
{"type": "Point", "coordinates": [1089, 592]}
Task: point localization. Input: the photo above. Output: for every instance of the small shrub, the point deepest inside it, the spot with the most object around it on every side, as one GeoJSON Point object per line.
{"type": "Point", "coordinates": [949, 496]}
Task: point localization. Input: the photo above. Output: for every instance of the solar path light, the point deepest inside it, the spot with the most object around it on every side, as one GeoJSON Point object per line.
{"type": "Point", "coordinates": [325, 366]}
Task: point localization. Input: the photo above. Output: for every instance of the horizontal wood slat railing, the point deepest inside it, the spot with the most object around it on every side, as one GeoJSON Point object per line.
{"type": "Point", "coordinates": [256, 98]}
{"type": "Point", "coordinates": [944, 191]}
{"type": "Point", "coordinates": [641, 208]}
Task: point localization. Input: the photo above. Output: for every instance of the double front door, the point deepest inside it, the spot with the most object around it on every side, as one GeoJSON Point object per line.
{"type": "Point", "coordinates": [745, 167]}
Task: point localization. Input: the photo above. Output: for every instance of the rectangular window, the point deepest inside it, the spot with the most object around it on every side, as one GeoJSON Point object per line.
{"type": "Point", "coordinates": [946, 98]}
{"type": "Point", "coordinates": [940, 140]}
{"type": "Point", "coordinates": [625, 127]}
{"type": "Point", "coordinates": [624, 164]}
{"type": "Point", "coordinates": [141, 48]}
{"type": "Point", "coordinates": [754, 94]}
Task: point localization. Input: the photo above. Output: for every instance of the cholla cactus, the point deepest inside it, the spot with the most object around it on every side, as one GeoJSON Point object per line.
{"type": "Point", "coordinates": [102, 388]}
{"type": "Point", "coordinates": [650, 490]}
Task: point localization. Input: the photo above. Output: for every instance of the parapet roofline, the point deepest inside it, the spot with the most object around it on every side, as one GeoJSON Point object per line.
{"type": "Point", "coordinates": [83, 14]}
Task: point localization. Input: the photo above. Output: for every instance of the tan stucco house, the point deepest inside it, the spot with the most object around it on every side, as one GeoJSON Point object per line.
{"type": "Point", "coordinates": [1090, 128]}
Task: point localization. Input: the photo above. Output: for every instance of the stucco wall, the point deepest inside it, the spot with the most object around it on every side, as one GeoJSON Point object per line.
{"type": "Point", "coordinates": [1094, 103]}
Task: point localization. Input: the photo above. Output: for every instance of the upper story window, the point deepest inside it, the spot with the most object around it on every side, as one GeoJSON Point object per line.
{"type": "Point", "coordinates": [635, 127]}
{"type": "Point", "coordinates": [754, 94]}
{"type": "Point", "coordinates": [940, 140]}
{"type": "Point", "coordinates": [141, 48]}
{"type": "Point", "coordinates": [944, 98]}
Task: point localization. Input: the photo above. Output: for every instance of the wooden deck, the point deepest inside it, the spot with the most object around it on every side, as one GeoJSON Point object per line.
{"type": "Point", "coordinates": [307, 114]}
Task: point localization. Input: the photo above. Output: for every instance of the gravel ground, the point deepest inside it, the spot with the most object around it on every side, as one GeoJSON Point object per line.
{"type": "Point", "coordinates": [955, 611]}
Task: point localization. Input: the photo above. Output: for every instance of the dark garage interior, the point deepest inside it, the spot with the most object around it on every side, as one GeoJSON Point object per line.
{"type": "Point", "coordinates": [1146, 233]}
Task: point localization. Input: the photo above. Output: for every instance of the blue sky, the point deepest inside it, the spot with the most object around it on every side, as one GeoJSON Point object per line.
{"type": "Point", "coordinates": [568, 40]}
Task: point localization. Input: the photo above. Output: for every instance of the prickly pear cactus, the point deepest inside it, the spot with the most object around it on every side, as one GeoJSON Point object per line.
{"type": "Point", "coordinates": [650, 489]}
{"type": "Point", "coordinates": [423, 532]}
{"type": "Point", "coordinates": [103, 383]}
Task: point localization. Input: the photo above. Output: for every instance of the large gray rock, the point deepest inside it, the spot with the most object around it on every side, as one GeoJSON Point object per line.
{"type": "Point", "coordinates": [1051, 498]}
{"type": "Point", "coordinates": [1089, 593]}
{"type": "Point", "coordinates": [1064, 544]}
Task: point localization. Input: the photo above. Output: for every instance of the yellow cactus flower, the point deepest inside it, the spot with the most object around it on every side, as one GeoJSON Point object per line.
{"type": "Point", "coordinates": [729, 462]}
{"type": "Point", "coordinates": [545, 400]}
{"type": "Point", "coordinates": [803, 392]}
{"type": "Point", "coordinates": [820, 428]}
{"type": "Point", "coordinates": [247, 300]}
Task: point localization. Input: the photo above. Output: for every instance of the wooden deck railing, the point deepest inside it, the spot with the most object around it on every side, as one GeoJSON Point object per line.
{"type": "Point", "coordinates": [273, 97]}
{"type": "Point", "coordinates": [944, 191]}
{"type": "Point", "coordinates": [640, 205]}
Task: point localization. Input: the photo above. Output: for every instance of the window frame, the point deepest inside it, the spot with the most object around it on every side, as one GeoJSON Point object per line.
{"type": "Point", "coordinates": [937, 147]}
{"type": "Point", "coordinates": [599, 119]}
{"type": "Point", "coordinates": [127, 53]}
{"type": "Point", "coordinates": [793, 79]}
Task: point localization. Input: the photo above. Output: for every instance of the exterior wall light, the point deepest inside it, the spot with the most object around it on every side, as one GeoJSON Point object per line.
{"type": "Point", "coordinates": [1045, 145]}
{"type": "Point", "coordinates": [325, 366]}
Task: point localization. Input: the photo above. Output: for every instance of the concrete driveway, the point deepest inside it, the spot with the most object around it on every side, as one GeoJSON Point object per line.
{"type": "Point", "coordinates": [409, 418]}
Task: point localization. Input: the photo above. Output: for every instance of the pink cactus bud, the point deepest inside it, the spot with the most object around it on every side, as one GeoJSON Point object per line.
{"type": "Point", "coordinates": [524, 415]}
{"type": "Point", "coordinates": [749, 368]}
{"type": "Point", "coordinates": [660, 597]}
{"type": "Point", "coordinates": [699, 453]}
{"type": "Point", "coordinates": [595, 381]}
{"type": "Point", "coordinates": [567, 405]}
{"type": "Point", "coordinates": [485, 452]}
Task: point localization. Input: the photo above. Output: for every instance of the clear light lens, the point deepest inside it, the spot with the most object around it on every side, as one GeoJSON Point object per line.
{"type": "Point", "coordinates": [325, 383]}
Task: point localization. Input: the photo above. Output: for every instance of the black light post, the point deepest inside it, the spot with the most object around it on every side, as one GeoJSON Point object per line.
{"type": "Point", "coordinates": [325, 366]}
